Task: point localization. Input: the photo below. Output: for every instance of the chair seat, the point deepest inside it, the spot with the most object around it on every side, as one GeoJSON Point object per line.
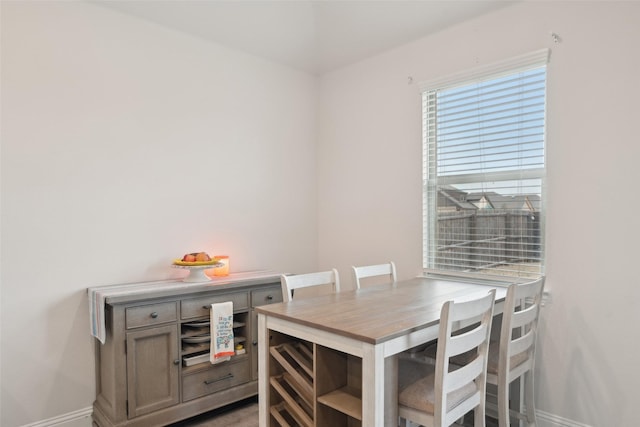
{"type": "Point", "coordinates": [494, 355]}
{"type": "Point", "coordinates": [420, 394]}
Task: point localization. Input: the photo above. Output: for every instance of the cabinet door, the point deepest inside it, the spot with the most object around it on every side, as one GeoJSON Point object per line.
{"type": "Point", "coordinates": [153, 365]}
{"type": "Point", "coordinates": [262, 296]}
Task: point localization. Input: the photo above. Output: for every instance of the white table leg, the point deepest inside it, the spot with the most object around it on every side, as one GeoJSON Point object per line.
{"type": "Point", "coordinates": [391, 390]}
{"type": "Point", "coordinates": [373, 394]}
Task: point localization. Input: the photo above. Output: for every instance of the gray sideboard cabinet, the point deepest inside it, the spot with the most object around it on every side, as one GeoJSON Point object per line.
{"type": "Point", "coordinates": [153, 368]}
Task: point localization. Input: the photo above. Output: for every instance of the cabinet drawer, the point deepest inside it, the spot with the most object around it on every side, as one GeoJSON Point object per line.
{"type": "Point", "coordinates": [266, 296]}
{"type": "Point", "coordinates": [152, 314]}
{"type": "Point", "coordinates": [201, 306]}
{"type": "Point", "coordinates": [219, 377]}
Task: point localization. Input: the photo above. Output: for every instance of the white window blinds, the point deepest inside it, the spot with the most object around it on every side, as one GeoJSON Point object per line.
{"type": "Point", "coordinates": [484, 169]}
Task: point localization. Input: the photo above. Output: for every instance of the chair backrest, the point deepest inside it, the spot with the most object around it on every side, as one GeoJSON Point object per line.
{"type": "Point", "coordinates": [366, 271]}
{"type": "Point", "coordinates": [520, 326]}
{"type": "Point", "coordinates": [290, 283]}
{"type": "Point", "coordinates": [479, 313]}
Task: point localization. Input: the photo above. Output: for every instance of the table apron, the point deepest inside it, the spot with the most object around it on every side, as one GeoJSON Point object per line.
{"type": "Point", "coordinates": [328, 339]}
{"type": "Point", "coordinates": [410, 340]}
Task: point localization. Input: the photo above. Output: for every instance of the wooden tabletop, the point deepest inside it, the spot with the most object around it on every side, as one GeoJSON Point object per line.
{"type": "Point", "coordinates": [379, 313]}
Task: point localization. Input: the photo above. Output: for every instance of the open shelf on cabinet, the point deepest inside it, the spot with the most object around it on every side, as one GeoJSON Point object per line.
{"type": "Point", "coordinates": [196, 341]}
{"type": "Point", "coordinates": [343, 400]}
{"type": "Point", "coordinates": [338, 388]}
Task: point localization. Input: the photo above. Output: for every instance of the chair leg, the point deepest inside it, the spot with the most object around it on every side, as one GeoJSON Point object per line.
{"type": "Point", "coordinates": [406, 423]}
{"type": "Point", "coordinates": [529, 398]}
{"type": "Point", "coordinates": [479, 419]}
{"type": "Point", "coordinates": [503, 403]}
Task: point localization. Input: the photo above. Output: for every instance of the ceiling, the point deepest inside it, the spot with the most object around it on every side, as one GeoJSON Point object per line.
{"type": "Point", "coordinates": [313, 36]}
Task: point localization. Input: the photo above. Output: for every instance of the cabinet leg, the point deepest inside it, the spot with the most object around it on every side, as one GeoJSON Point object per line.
{"type": "Point", "coordinates": [263, 372]}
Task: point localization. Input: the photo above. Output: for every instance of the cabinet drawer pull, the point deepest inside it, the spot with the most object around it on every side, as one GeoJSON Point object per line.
{"type": "Point", "coordinates": [206, 307]}
{"type": "Point", "coordinates": [154, 314]}
{"type": "Point", "coordinates": [226, 377]}
{"type": "Point", "coordinates": [269, 297]}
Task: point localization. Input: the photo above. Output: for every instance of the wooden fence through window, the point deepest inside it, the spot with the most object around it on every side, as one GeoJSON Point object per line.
{"type": "Point", "coordinates": [485, 239]}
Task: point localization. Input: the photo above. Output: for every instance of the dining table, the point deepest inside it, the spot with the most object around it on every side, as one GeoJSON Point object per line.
{"type": "Point", "coordinates": [371, 326]}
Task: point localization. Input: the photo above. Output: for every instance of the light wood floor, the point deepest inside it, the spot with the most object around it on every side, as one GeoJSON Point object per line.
{"type": "Point", "coordinates": [245, 414]}
{"type": "Point", "coordinates": [240, 414]}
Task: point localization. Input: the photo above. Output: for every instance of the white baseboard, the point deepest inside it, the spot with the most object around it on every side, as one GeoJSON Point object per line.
{"type": "Point", "coordinates": [82, 418]}
{"type": "Point", "coordinates": [546, 419]}
{"type": "Point", "coordinates": [79, 418]}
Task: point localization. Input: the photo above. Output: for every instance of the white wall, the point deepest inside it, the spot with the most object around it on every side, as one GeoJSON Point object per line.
{"type": "Point", "coordinates": [369, 178]}
{"type": "Point", "coordinates": [125, 145]}
{"type": "Point", "coordinates": [105, 118]}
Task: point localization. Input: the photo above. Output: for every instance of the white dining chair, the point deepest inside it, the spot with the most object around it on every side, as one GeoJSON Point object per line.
{"type": "Point", "coordinates": [387, 270]}
{"type": "Point", "coordinates": [308, 280]}
{"type": "Point", "coordinates": [439, 395]}
{"type": "Point", "coordinates": [513, 356]}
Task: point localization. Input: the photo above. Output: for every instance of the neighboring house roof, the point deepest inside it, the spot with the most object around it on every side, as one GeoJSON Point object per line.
{"type": "Point", "coordinates": [535, 201]}
{"type": "Point", "coordinates": [452, 200]}
{"type": "Point", "coordinates": [493, 200]}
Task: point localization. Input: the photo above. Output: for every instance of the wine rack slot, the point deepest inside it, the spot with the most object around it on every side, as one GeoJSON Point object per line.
{"type": "Point", "coordinates": [299, 368]}
{"type": "Point", "coordinates": [312, 385]}
{"type": "Point", "coordinates": [282, 416]}
{"type": "Point", "coordinates": [299, 409]}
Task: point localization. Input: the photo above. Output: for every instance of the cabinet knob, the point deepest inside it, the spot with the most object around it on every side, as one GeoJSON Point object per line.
{"type": "Point", "coordinates": [206, 307]}
{"type": "Point", "coordinates": [176, 362]}
{"type": "Point", "coordinates": [255, 343]}
{"type": "Point", "coordinates": [154, 314]}
{"type": "Point", "coordinates": [269, 297]}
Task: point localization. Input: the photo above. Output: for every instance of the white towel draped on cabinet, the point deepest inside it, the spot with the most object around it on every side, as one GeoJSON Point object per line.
{"type": "Point", "coordinates": [222, 347]}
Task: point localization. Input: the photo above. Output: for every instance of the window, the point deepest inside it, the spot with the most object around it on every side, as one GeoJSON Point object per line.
{"type": "Point", "coordinates": [484, 169]}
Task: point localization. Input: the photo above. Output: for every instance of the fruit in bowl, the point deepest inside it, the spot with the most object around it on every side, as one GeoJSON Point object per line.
{"type": "Point", "coordinates": [196, 258]}
{"type": "Point", "coordinates": [189, 258]}
{"type": "Point", "coordinates": [202, 256]}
